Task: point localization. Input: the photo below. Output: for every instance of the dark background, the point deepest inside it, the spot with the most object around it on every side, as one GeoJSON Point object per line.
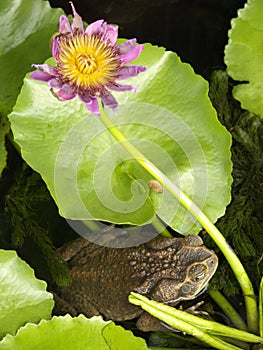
{"type": "Point", "coordinates": [195, 29]}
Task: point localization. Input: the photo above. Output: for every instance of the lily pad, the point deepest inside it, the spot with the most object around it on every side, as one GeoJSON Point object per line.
{"type": "Point", "coordinates": [170, 120]}
{"type": "Point", "coordinates": [243, 56]}
{"type": "Point", "coordinates": [23, 297]}
{"type": "Point", "coordinates": [73, 333]}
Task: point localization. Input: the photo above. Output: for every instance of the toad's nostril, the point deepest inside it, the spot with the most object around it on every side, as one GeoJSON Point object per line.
{"type": "Point", "coordinates": [212, 262]}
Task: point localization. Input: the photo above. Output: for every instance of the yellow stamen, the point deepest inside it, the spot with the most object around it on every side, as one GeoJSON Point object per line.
{"type": "Point", "coordinates": [87, 61]}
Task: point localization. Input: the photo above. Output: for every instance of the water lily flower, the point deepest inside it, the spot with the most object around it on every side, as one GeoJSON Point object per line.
{"type": "Point", "coordinates": [89, 63]}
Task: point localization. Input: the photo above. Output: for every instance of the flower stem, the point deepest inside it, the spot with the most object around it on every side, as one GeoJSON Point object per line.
{"type": "Point", "coordinates": [234, 262]}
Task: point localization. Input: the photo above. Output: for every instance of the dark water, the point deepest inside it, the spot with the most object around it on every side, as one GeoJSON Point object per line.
{"type": "Point", "coordinates": [195, 29]}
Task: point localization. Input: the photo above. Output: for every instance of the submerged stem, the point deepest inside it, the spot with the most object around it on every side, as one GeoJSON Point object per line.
{"type": "Point", "coordinates": [234, 262]}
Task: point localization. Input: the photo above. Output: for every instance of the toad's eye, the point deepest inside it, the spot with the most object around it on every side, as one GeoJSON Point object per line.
{"type": "Point", "coordinates": [197, 273]}
{"type": "Point", "coordinates": [198, 278]}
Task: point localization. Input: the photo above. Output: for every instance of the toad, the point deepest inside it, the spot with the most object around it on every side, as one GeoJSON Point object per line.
{"type": "Point", "coordinates": [167, 270]}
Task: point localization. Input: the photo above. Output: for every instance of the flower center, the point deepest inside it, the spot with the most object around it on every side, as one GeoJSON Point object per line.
{"type": "Point", "coordinates": [87, 61]}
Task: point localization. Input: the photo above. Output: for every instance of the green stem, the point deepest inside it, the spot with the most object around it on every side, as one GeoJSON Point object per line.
{"type": "Point", "coordinates": [234, 262]}
{"type": "Point", "coordinates": [92, 225]}
{"type": "Point", "coordinates": [228, 309]}
{"type": "Point", "coordinates": [159, 227]}
{"type": "Point", "coordinates": [166, 312]}
{"type": "Point", "coordinates": [161, 312]}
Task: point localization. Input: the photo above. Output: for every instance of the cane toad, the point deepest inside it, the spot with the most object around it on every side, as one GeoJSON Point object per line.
{"type": "Point", "coordinates": [167, 270]}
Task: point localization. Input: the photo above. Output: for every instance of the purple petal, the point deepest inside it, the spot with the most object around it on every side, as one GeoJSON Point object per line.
{"type": "Point", "coordinates": [64, 25]}
{"type": "Point", "coordinates": [131, 54]}
{"type": "Point", "coordinates": [55, 48]}
{"type": "Point", "coordinates": [41, 76]}
{"type": "Point", "coordinates": [46, 68]}
{"type": "Point", "coordinates": [67, 92]}
{"type": "Point", "coordinates": [127, 46]}
{"type": "Point", "coordinates": [54, 84]}
{"type": "Point", "coordinates": [77, 20]}
{"type": "Point", "coordinates": [97, 27]}
{"type": "Point", "coordinates": [130, 71]}
{"type": "Point", "coordinates": [90, 102]}
{"type": "Point", "coordinates": [111, 33]}
{"type": "Point", "coordinates": [122, 87]}
{"type": "Point", "coordinates": [109, 101]}
{"type": "Point", "coordinates": [85, 97]}
{"type": "Point", "coordinates": [93, 106]}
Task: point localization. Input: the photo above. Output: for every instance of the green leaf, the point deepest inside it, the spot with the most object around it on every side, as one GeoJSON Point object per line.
{"type": "Point", "coordinates": [23, 297]}
{"type": "Point", "coordinates": [243, 56]}
{"type": "Point", "coordinates": [170, 120]}
{"type": "Point", "coordinates": [73, 333]}
{"type": "Point", "coordinates": [24, 25]}
{"type": "Point", "coordinates": [25, 31]}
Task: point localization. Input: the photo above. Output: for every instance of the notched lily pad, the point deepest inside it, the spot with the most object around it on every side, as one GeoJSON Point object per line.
{"type": "Point", "coordinates": [73, 333]}
{"type": "Point", "coordinates": [170, 120]}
